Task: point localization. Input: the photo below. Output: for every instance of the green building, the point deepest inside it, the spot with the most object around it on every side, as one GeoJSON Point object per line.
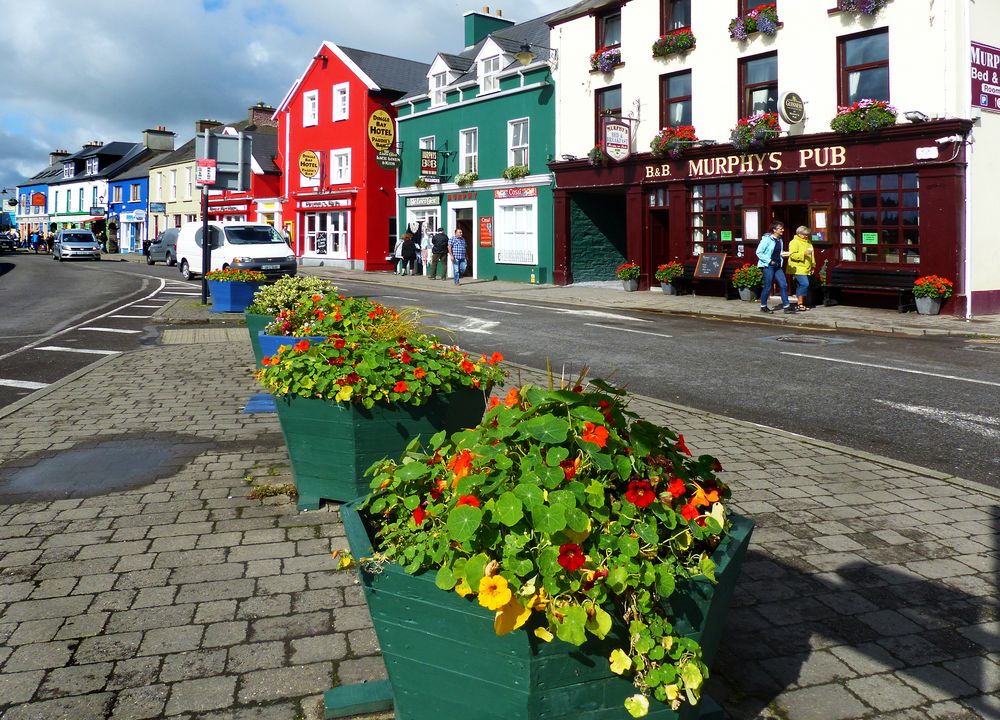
{"type": "Point", "coordinates": [475, 147]}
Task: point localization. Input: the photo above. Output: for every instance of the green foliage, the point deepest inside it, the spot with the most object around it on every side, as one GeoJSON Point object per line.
{"type": "Point", "coordinates": [864, 116]}
{"type": "Point", "coordinates": [283, 294]}
{"type": "Point", "coordinates": [748, 276]}
{"type": "Point", "coordinates": [466, 178]}
{"type": "Point", "coordinates": [515, 171]}
{"type": "Point", "coordinates": [236, 275]}
{"type": "Point", "coordinates": [668, 272]}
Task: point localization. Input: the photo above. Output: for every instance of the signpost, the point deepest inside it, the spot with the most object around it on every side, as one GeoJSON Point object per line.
{"type": "Point", "coordinates": [205, 172]}
{"type": "Point", "coordinates": [985, 77]}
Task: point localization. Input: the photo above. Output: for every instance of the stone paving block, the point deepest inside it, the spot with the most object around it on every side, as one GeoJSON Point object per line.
{"type": "Point", "coordinates": [218, 590]}
{"type": "Point", "coordinates": [75, 680]}
{"type": "Point", "coordinates": [154, 597]}
{"type": "Point", "coordinates": [34, 631]}
{"type": "Point", "coordinates": [60, 607]}
{"type": "Point", "coordinates": [219, 540]}
{"type": "Point", "coordinates": [265, 685]}
{"type": "Point", "coordinates": [171, 640]}
{"type": "Point", "coordinates": [95, 705]}
{"type": "Point", "coordinates": [935, 683]}
{"type": "Point", "coordinates": [980, 672]}
{"type": "Point", "coordinates": [316, 649]}
{"type": "Point", "coordinates": [172, 544]}
{"type": "Point", "coordinates": [39, 656]}
{"type": "Point", "coordinates": [134, 563]}
{"type": "Point", "coordinates": [356, 670]}
{"type": "Point", "coordinates": [885, 692]}
{"type": "Point", "coordinates": [223, 634]}
{"type": "Point", "coordinates": [191, 665]}
{"type": "Point", "coordinates": [199, 696]}
{"type": "Point", "coordinates": [362, 642]}
{"type": "Point", "coordinates": [823, 702]}
{"type": "Point", "coordinates": [116, 550]}
{"type": "Point", "coordinates": [180, 529]}
{"type": "Point", "coordinates": [113, 600]}
{"type": "Point", "coordinates": [914, 650]}
{"type": "Point", "coordinates": [889, 622]}
{"type": "Point", "coordinates": [279, 584]}
{"type": "Point", "coordinates": [209, 573]}
{"type": "Point", "coordinates": [310, 600]}
{"type": "Point", "coordinates": [329, 579]}
{"type": "Point", "coordinates": [83, 626]}
{"type": "Point", "coordinates": [130, 620]}
{"type": "Point", "coordinates": [75, 568]}
{"type": "Point", "coordinates": [265, 606]}
{"type": "Point", "coordinates": [255, 656]}
{"type": "Point", "coordinates": [215, 611]}
{"type": "Point", "coordinates": [270, 535]}
{"type": "Point", "coordinates": [189, 558]}
{"type": "Point", "coordinates": [140, 703]}
{"type": "Point", "coordinates": [93, 584]}
{"type": "Point", "coordinates": [135, 672]}
{"type": "Point", "coordinates": [817, 668]}
{"type": "Point", "coordinates": [263, 551]}
{"type": "Point", "coordinates": [19, 687]}
{"type": "Point", "coordinates": [130, 534]}
{"type": "Point", "coordinates": [287, 628]}
{"type": "Point", "coordinates": [117, 646]}
{"type": "Point", "coordinates": [262, 568]}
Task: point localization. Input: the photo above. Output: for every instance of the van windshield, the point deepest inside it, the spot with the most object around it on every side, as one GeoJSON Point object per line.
{"type": "Point", "coordinates": [252, 235]}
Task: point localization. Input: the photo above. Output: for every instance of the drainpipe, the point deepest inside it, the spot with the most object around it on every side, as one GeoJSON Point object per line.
{"type": "Point", "coordinates": [969, 151]}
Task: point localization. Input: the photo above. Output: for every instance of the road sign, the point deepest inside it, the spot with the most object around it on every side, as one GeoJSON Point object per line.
{"type": "Point", "coordinates": [231, 155]}
{"type": "Point", "coordinates": [205, 172]}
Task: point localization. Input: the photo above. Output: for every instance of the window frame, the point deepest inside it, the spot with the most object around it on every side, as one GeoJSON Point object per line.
{"type": "Point", "coordinates": [172, 190]}
{"type": "Point", "coordinates": [667, 16]}
{"type": "Point", "coordinates": [524, 148]}
{"type": "Point", "coordinates": [437, 91]}
{"type": "Point", "coordinates": [844, 71]}
{"type": "Point", "coordinates": [135, 192]}
{"type": "Point", "coordinates": [463, 156]}
{"type": "Point", "coordinates": [310, 108]}
{"type": "Point", "coordinates": [341, 94]}
{"type": "Point", "coordinates": [667, 100]}
{"type": "Point", "coordinates": [81, 198]}
{"type": "Point", "coordinates": [743, 7]}
{"type": "Point", "coordinates": [336, 176]}
{"type": "Point", "coordinates": [67, 170]}
{"type": "Point", "coordinates": [504, 236]}
{"type": "Point", "coordinates": [745, 89]}
{"type": "Point", "coordinates": [699, 232]}
{"type": "Point", "coordinates": [491, 78]}
{"type": "Point", "coordinates": [600, 114]}
{"type": "Point", "coordinates": [850, 207]}
{"type": "Point", "coordinates": [116, 194]}
{"type": "Point", "coordinates": [601, 28]}
{"type": "Point", "coordinates": [92, 166]}
{"type": "Point", "coordinates": [188, 184]}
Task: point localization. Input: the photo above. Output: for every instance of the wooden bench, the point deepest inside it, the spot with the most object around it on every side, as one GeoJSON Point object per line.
{"type": "Point", "coordinates": [687, 283]}
{"type": "Point", "coordinates": [872, 280]}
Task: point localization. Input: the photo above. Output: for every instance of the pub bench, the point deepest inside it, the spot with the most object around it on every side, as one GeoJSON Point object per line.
{"type": "Point", "coordinates": [871, 280]}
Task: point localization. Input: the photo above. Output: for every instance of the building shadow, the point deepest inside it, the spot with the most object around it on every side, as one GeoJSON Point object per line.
{"type": "Point", "coordinates": [920, 615]}
{"type": "Point", "coordinates": [6, 267]}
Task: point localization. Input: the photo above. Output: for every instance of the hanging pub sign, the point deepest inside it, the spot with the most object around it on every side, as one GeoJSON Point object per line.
{"type": "Point", "coordinates": [387, 159]}
{"type": "Point", "coordinates": [617, 139]}
{"type": "Point", "coordinates": [428, 163]}
{"type": "Point", "coordinates": [309, 164]}
{"type": "Point", "coordinates": [985, 77]}
{"type": "Point", "coordinates": [381, 131]}
{"type": "Point", "coordinates": [791, 108]}
{"type": "Point", "coordinates": [38, 199]}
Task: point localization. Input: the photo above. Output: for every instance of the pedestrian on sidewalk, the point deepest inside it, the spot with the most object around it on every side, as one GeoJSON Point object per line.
{"type": "Point", "coordinates": [409, 254]}
{"type": "Point", "coordinates": [770, 258]}
{"type": "Point", "coordinates": [456, 251]}
{"type": "Point", "coordinates": [397, 254]}
{"type": "Point", "coordinates": [801, 262]}
{"type": "Point", "coordinates": [439, 254]}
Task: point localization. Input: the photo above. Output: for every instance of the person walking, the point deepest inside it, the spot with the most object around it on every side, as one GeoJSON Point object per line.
{"type": "Point", "coordinates": [456, 251]}
{"type": "Point", "coordinates": [33, 241]}
{"type": "Point", "coordinates": [439, 254]}
{"type": "Point", "coordinates": [801, 263]}
{"type": "Point", "coordinates": [770, 257]}
{"type": "Point", "coordinates": [397, 253]}
{"type": "Point", "coordinates": [409, 254]}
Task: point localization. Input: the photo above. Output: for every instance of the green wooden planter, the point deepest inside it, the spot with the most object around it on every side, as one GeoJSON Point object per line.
{"type": "Point", "coordinates": [256, 324]}
{"type": "Point", "coordinates": [331, 444]}
{"type": "Point", "coordinates": [444, 659]}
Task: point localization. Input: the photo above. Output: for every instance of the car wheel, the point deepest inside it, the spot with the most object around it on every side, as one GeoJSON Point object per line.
{"type": "Point", "coordinates": [186, 271]}
{"type": "Point", "coordinates": [149, 260]}
{"type": "Point", "coordinates": [170, 260]}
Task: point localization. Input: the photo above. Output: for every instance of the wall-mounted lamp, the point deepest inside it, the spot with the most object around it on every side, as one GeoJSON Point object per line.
{"type": "Point", "coordinates": [525, 56]}
{"type": "Point", "coordinates": [705, 143]}
{"type": "Point", "coordinates": [322, 58]}
{"type": "Point", "coordinates": [569, 157]}
{"type": "Point", "coordinates": [915, 116]}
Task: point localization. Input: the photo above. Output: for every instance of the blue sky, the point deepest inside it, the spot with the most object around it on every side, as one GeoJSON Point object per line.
{"type": "Point", "coordinates": [120, 66]}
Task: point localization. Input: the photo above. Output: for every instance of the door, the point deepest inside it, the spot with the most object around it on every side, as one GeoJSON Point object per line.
{"type": "Point", "coordinates": [659, 237]}
{"type": "Point", "coordinates": [463, 220]}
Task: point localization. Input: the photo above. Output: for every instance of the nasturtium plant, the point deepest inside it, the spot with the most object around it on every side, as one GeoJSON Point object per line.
{"type": "Point", "coordinates": [564, 514]}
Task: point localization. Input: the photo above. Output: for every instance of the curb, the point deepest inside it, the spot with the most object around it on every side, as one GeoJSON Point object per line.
{"type": "Point", "coordinates": [51, 387]}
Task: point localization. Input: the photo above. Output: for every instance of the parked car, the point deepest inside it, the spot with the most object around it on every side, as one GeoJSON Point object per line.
{"type": "Point", "coordinates": [72, 244]}
{"type": "Point", "coordinates": [8, 242]}
{"type": "Point", "coordinates": [243, 245]}
{"type": "Point", "coordinates": [164, 248]}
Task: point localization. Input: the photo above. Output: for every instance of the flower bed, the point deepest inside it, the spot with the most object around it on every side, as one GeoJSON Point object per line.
{"type": "Point", "coordinates": [762, 19]}
{"type": "Point", "coordinates": [755, 131]}
{"type": "Point", "coordinates": [628, 271]}
{"type": "Point", "coordinates": [668, 272]}
{"type": "Point", "coordinates": [864, 116]}
{"type": "Point", "coordinates": [675, 42]}
{"type": "Point", "coordinates": [934, 287]}
{"type": "Point", "coordinates": [605, 59]}
{"type": "Point", "coordinates": [672, 140]}
{"type": "Point", "coordinates": [748, 276]}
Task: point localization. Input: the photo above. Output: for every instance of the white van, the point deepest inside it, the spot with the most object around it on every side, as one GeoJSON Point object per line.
{"type": "Point", "coordinates": [244, 245]}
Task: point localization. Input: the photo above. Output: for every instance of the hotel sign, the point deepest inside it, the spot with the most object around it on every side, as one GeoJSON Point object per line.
{"type": "Point", "coordinates": [985, 77]}
{"type": "Point", "coordinates": [807, 159]}
{"type": "Point", "coordinates": [309, 164]}
{"type": "Point", "coordinates": [381, 132]}
{"type": "Point", "coordinates": [617, 140]}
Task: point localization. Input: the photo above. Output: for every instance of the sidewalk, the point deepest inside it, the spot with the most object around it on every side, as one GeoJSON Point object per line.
{"type": "Point", "coordinates": [870, 590]}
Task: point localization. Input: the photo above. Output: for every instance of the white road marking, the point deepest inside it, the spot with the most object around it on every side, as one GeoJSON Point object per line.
{"type": "Point", "coordinates": [471, 324]}
{"type": "Point", "coordinates": [400, 297]}
{"type": "Point", "coordinates": [189, 294]}
{"type": "Point", "coordinates": [110, 330]}
{"type": "Point", "coordinates": [494, 310]}
{"type": "Point", "coordinates": [573, 311]}
{"type": "Point", "coordinates": [84, 351]}
{"type": "Point", "coordinates": [151, 307]}
{"type": "Point", "coordinates": [27, 385]}
{"type": "Point", "coordinates": [984, 425]}
{"type": "Point", "coordinates": [896, 369]}
{"type": "Point", "coordinates": [132, 317]}
{"type": "Point", "coordinates": [621, 329]}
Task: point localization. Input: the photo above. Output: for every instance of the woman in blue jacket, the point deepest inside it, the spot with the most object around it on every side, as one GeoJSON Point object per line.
{"type": "Point", "coordinates": [770, 257]}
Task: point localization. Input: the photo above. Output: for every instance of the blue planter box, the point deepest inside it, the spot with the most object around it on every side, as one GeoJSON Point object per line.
{"type": "Point", "coordinates": [232, 296]}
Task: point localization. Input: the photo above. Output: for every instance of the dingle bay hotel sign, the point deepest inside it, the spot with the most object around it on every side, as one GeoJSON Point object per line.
{"type": "Point", "coordinates": [780, 161]}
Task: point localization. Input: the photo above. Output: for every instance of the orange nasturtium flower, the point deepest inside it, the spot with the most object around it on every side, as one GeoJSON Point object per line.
{"type": "Point", "coordinates": [419, 373]}
{"type": "Point", "coordinates": [494, 592]}
{"type": "Point", "coordinates": [597, 434]}
{"type": "Point", "coordinates": [513, 397]}
{"type": "Point", "coordinates": [461, 465]}
{"type": "Point", "coordinates": [400, 387]}
{"type": "Point", "coordinates": [703, 497]}
{"type": "Point", "coordinates": [301, 345]}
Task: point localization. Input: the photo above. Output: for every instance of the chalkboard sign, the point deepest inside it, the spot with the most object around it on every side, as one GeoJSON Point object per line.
{"type": "Point", "coordinates": [710, 265]}
{"type": "Point", "coordinates": [321, 243]}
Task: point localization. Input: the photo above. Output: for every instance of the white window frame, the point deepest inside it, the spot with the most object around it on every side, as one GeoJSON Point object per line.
{"type": "Point", "coordinates": [68, 170]}
{"type": "Point", "coordinates": [513, 151]}
{"type": "Point", "coordinates": [159, 187]}
{"type": "Point", "coordinates": [93, 196]}
{"type": "Point", "coordinates": [439, 81]}
{"type": "Point", "coordinates": [489, 71]}
{"type": "Point", "coordinates": [172, 195]}
{"type": "Point", "coordinates": [310, 225]}
{"type": "Point", "coordinates": [310, 108]}
{"type": "Point", "coordinates": [188, 186]}
{"type": "Point", "coordinates": [91, 166]}
{"type": "Point", "coordinates": [82, 197]}
{"type": "Point", "coordinates": [340, 173]}
{"type": "Point", "coordinates": [468, 161]}
{"type": "Point", "coordinates": [341, 101]}
{"type": "Point", "coordinates": [55, 203]}
{"type": "Point", "coordinates": [134, 192]}
{"type": "Point", "coordinates": [515, 231]}
{"type": "Point", "coordinates": [116, 194]}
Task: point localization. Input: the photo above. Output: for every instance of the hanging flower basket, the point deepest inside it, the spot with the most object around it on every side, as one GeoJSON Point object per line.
{"type": "Point", "coordinates": [672, 140]}
{"type": "Point", "coordinates": [861, 7]}
{"type": "Point", "coordinates": [605, 59]}
{"type": "Point", "coordinates": [675, 42]}
{"type": "Point", "coordinates": [755, 131]}
{"type": "Point", "coordinates": [864, 116]}
{"type": "Point", "coordinates": [762, 19]}
{"type": "Point", "coordinates": [597, 156]}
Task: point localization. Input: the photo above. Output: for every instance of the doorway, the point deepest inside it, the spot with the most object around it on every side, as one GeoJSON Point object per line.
{"type": "Point", "coordinates": [464, 222]}
{"type": "Point", "coordinates": [659, 237]}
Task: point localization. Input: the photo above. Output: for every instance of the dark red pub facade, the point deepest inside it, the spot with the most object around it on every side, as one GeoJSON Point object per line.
{"type": "Point", "coordinates": [872, 204]}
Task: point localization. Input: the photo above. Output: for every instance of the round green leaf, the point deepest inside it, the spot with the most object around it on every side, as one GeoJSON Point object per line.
{"type": "Point", "coordinates": [510, 509]}
{"type": "Point", "coordinates": [445, 579]}
{"type": "Point", "coordinates": [549, 519]}
{"type": "Point", "coordinates": [530, 495]}
{"type": "Point", "coordinates": [463, 522]}
{"type": "Point", "coordinates": [546, 429]}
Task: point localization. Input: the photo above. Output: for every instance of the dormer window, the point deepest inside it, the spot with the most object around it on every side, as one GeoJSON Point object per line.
{"type": "Point", "coordinates": [68, 170]}
{"type": "Point", "coordinates": [438, 83]}
{"type": "Point", "coordinates": [609, 30]}
{"type": "Point", "coordinates": [489, 69]}
{"type": "Point", "coordinates": [91, 166]}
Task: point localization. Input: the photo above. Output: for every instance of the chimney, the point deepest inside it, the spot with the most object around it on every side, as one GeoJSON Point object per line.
{"type": "Point", "coordinates": [479, 25]}
{"type": "Point", "coordinates": [201, 126]}
{"type": "Point", "coordinates": [57, 156]}
{"type": "Point", "coordinates": [260, 115]}
{"type": "Point", "coordinates": [94, 143]}
{"type": "Point", "coordinates": [158, 138]}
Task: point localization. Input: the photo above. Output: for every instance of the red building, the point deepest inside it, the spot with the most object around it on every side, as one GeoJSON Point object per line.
{"type": "Point", "coordinates": [339, 191]}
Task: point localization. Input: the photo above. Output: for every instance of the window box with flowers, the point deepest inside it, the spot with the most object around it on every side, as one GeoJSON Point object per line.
{"type": "Point", "coordinates": [561, 554]}
{"type": "Point", "coordinates": [762, 19]}
{"type": "Point", "coordinates": [628, 273]}
{"type": "Point", "coordinates": [269, 300]}
{"type": "Point", "coordinates": [861, 7]}
{"type": "Point", "coordinates": [232, 290]}
{"type": "Point", "coordinates": [930, 291]}
{"type": "Point", "coordinates": [515, 172]}
{"type": "Point", "coordinates": [864, 116]}
{"type": "Point", "coordinates": [755, 131]}
{"type": "Point", "coordinates": [597, 157]}
{"type": "Point", "coordinates": [673, 140]}
{"type": "Point", "coordinates": [366, 384]}
{"type": "Point", "coordinates": [666, 274]}
{"type": "Point", "coordinates": [465, 179]}
{"type": "Point", "coordinates": [421, 183]}
{"type": "Point", "coordinates": [748, 279]}
{"type": "Point", "coordinates": [673, 43]}
{"type": "Point", "coordinates": [606, 59]}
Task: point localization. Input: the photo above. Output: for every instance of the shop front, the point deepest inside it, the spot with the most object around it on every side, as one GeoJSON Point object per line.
{"type": "Point", "coordinates": [324, 229]}
{"type": "Point", "coordinates": [891, 203]}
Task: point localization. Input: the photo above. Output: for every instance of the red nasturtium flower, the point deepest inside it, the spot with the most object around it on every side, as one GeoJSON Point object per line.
{"type": "Point", "coordinates": [513, 397]}
{"type": "Point", "coordinates": [419, 515]}
{"type": "Point", "coordinates": [571, 557]}
{"type": "Point", "coordinates": [301, 345]}
{"type": "Point", "coordinates": [339, 343]}
{"type": "Point", "coordinates": [640, 493]}
{"type": "Point", "coordinates": [495, 358]}
{"type": "Point", "coordinates": [689, 512]}
{"type": "Point", "coordinates": [405, 357]}
{"type": "Point", "coordinates": [682, 446]}
{"type": "Point", "coordinates": [267, 361]}
{"type": "Point", "coordinates": [467, 366]}
{"type": "Point", "coordinates": [676, 487]}
{"type": "Point", "coordinates": [419, 373]}
{"type": "Point", "coordinates": [569, 468]}
{"type": "Point", "coordinates": [461, 465]}
{"type": "Point", "coordinates": [439, 487]}
{"type": "Point", "coordinates": [597, 434]}
{"type": "Point", "coordinates": [400, 387]}
{"type": "Point", "coordinates": [494, 401]}
{"type": "Point", "coordinates": [468, 500]}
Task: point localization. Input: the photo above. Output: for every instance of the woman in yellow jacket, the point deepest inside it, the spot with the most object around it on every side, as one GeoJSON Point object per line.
{"type": "Point", "coordinates": [801, 262]}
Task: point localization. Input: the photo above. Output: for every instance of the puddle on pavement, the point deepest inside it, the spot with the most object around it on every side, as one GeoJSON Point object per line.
{"type": "Point", "coordinates": [98, 468]}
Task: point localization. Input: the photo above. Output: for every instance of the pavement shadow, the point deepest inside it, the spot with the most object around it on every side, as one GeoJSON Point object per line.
{"type": "Point", "coordinates": [886, 632]}
{"type": "Point", "coordinates": [6, 267]}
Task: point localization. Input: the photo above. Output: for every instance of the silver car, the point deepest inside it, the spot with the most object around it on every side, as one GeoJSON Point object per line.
{"type": "Point", "coordinates": [73, 244]}
{"type": "Point", "coordinates": [164, 248]}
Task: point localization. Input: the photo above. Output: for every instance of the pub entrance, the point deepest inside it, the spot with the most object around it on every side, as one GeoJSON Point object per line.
{"type": "Point", "coordinates": [789, 204]}
{"type": "Point", "coordinates": [463, 222]}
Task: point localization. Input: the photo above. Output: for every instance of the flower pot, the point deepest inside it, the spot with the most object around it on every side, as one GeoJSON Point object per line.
{"type": "Point", "coordinates": [331, 444]}
{"type": "Point", "coordinates": [630, 285]}
{"type": "Point", "coordinates": [668, 289]}
{"type": "Point", "coordinates": [269, 344]}
{"type": "Point", "coordinates": [420, 626]}
{"type": "Point", "coordinates": [928, 306]}
{"type": "Point", "coordinates": [748, 294]}
{"type": "Point", "coordinates": [232, 296]}
{"type": "Point", "coordinates": [255, 326]}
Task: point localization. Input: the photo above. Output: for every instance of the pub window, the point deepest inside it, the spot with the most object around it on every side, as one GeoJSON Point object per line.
{"type": "Point", "coordinates": [759, 84]}
{"type": "Point", "coordinates": [863, 61]}
{"type": "Point", "coordinates": [880, 218]}
{"type": "Point", "coordinates": [745, 6]}
{"type": "Point", "coordinates": [716, 218]}
{"type": "Point", "coordinates": [791, 191]}
{"type": "Point", "coordinates": [609, 30]}
{"type": "Point", "coordinates": [468, 160]}
{"type": "Point", "coordinates": [674, 15]}
{"type": "Point", "coordinates": [607, 103]}
{"type": "Point", "coordinates": [675, 99]}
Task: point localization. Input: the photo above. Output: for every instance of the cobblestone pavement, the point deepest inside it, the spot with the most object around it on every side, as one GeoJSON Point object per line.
{"type": "Point", "coordinates": [870, 590]}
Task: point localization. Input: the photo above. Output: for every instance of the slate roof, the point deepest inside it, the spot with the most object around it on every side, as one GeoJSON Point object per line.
{"type": "Point", "coordinates": [580, 8]}
{"type": "Point", "coordinates": [392, 74]}
{"type": "Point", "coordinates": [264, 149]}
{"type": "Point", "coordinates": [140, 169]}
{"type": "Point", "coordinates": [182, 154]}
{"type": "Point", "coordinates": [121, 155]}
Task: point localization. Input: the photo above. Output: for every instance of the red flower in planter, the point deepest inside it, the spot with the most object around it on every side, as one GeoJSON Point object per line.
{"type": "Point", "coordinates": [640, 493]}
{"type": "Point", "coordinates": [597, 434]}
{"type": "Point", "coordinates": [468, 500]}
{"type": "Point", "coordinates": [571, 557]}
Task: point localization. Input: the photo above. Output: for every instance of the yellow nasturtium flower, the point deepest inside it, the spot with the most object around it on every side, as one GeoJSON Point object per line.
{"type": "Point", "coordinates": [539, 600]}
{"type": "Point", "coordinates": [345, 393]}
{"type": "Point", "coordinates": [620, 661]}
{"type": "Point", "coordinates": [462, 588]}
{"type": "Point", "coordinates": [493, 592]}
{"type": "Point", "coordinates": [510, 617]}
{"type": "Point", "coordinates": [543, 634]}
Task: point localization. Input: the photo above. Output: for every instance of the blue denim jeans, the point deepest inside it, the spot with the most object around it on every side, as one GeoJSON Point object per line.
{"type": "Point", "coordinates": [774, 274]}
{"type": "Point", "coordinates": [801, 285]}
{"type": "Point", "coordinates": [458, 267]}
